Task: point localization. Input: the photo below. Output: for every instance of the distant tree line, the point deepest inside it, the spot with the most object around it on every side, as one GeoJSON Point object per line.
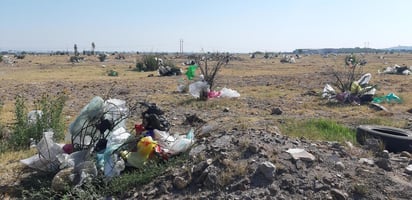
{"type": "Point", "coordinates": [349, 50]}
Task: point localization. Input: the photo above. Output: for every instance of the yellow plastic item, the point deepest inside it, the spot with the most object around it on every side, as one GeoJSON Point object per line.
{"type": "Point", "coordinates": [145, 147]}
{"type": "Point", "coordinates": [355, 87]}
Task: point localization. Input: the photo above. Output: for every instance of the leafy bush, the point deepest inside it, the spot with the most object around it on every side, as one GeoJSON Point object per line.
{"type": "Point", "coordinates": [151, 63]}
{"type": "Point", "coordinates": [51, 118]}
{"type": "Point", "coordinates": [140, 67]}
{"type": "Point", "coordinates": [148, 63]}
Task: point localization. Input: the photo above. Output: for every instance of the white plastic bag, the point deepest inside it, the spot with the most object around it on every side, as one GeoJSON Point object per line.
{"type": "Point", "coordinates": [328, 91]}
{"type": "Point", "coordinates": [196, 87]}
{"type": "Point", "coordinates": [229, 93]}
{"type": "Point", "coordinates": [46, 159]}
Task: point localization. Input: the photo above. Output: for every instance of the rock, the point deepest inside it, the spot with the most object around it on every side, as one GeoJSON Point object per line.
{"type": "Point", "coordinates": [366, 161]}
{"type": "Point", "coordinates": [301, 154]}
{"type": "Point", "coordinates": [338, 195]}
{"type": "Point", "coordinates": [243, 185]}
{"type": "Point", "coordinates": [179, 182]}
{"type": "Point", "coordinates": [277, 111]}
{"type": "Point", "coordinates": [405, 154]}
{"type": "Point", "coordinates": [199, 168]}
{"type": "Point", "coordinates": [273, 189]}
{"type": "Point", "coordinates": [384, 154]}
{"type": "Point", "coordinates": [384, 163]}
{"type": "Point", "coordinates": [408, 169]}
{"type": "Point", "coordinates": [196, 150]}
{"type": "Point", "coordinates": [253, 147]}
{"type": "Point", "coordinates": [226, 109]}
{"type": "Point", "coordinates": [288, 182]}
{"type": "Point", "coordinates": [212, 178]}
{"type": "Point", "coordinates": [268, 169]}
{"type": "Point", "coordinates": [62, 180]}
{"type": "Point", "coordinates": [339, 166]}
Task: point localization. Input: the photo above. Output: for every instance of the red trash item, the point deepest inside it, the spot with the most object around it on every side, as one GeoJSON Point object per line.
{"type": "Point", "coordinates": [139, 128]}
{"type": "Point", "coordinates": [68, 148]}
{"type": "Point", "coordinates": [213, 94]}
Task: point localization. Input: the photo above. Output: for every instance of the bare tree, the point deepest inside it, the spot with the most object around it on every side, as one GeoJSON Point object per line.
{"type": "Point", "coordinates": [210, 72]}
{"type": "Point", "coordinates": [93, 47]}
{"type": "Point", "coordinates": [76, 53]}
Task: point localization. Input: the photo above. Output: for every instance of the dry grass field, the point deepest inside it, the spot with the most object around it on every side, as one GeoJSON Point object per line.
{"type": "Point", "coordinates": [262, 83]}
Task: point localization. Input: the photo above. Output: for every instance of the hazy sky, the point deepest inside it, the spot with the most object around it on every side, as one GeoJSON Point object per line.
{"type": "Point", "coordinates": [208, 25]}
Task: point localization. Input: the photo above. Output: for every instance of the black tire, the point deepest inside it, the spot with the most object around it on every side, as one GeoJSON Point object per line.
{"type": "Point", "coordinates": [394, 139]}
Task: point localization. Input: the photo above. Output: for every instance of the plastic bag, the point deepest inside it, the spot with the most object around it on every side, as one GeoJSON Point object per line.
{"type": "Point", "coordinates": [182, 144]}
{"type": "Point", "coordinates": [328, 91]}
{"type": "Point", "coordinates": [46, 159]}
{"type": "Point", "coordinates": [196, 87]}
{"type": "Point", "coordinates": [118, 136]}
{"type": "Point", "coordinates": [365, 79]}
{"type": "Point", "coordinates": [80, 134]}
{"type": "Point", "coordinates": [115, 110]}
{"type": "Point", "coordinates": [389, 98]}
{"type": "Point", "coordinates": [213, 94]}
{"type": "Point", "coordinates": [229, 93]}
{"type": "Point", "coordinates": [71, 160]}
{"type": "Point", "coordinates": [33, 116]}
{"type": "Point", "coordinates": [190, 73]}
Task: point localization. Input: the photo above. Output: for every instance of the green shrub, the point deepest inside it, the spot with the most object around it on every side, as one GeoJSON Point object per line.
{"type": "Point", "coordinates": [150, 63]}
{"type": "Point", "coordinates": [51, 119]}
{"type": "Point", "coordinates": [140, 67]}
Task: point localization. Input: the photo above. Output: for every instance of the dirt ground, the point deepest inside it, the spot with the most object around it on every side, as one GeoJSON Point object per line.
{"type": "Point", "coordinates": [263, 84]}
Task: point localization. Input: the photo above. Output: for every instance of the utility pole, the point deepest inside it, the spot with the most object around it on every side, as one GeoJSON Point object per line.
{"type": "Point", "coordinates": [181, 46]}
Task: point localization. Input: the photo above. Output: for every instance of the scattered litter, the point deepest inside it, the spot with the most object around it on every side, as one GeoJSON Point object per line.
{"type": "Point", "coordinates": [389, 98]}
{"type": "Point", "coordinates": [396, 69]}
{"type": "Point", "coordinates": [358, 93]}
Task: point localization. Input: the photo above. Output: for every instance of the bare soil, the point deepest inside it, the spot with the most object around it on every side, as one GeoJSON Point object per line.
{"type": "Point", "coordinates": [251, 128]}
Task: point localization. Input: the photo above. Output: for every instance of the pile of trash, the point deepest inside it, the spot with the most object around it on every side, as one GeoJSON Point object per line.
{"type": "Point", "coordinates": [396, 69]}
{"type": "Point", "coordinates": [199, 86]}
{"type": "Point", "coordinates": [287, 59]}
{"type": "Point", "coordinates": [98, 143]}
{"type": "Point", "coordinates": [359, 92]}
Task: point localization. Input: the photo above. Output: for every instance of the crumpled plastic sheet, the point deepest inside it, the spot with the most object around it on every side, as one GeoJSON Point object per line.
{"type": "Point", "coordinates": [46, 159]}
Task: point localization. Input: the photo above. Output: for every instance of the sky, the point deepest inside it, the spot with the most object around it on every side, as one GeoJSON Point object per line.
{"type": "Point", "coordinates": [203, 25]}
